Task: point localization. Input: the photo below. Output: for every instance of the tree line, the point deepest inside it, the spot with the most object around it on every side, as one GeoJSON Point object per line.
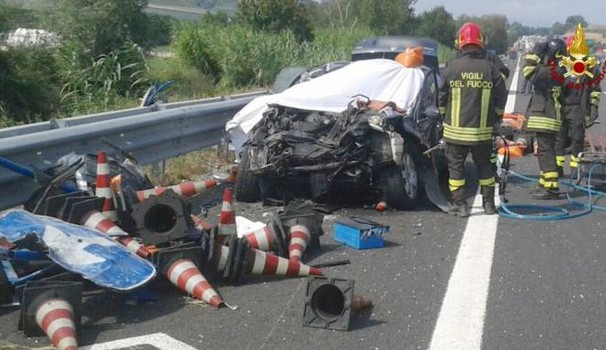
{"type": "Point", "coordinates": [102, 60]}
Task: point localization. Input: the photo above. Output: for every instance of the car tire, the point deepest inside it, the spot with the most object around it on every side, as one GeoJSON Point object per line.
{"type": "Point", "coordinates": [400, 184]}
{"type": "Point", "coordinates": [247, 184]}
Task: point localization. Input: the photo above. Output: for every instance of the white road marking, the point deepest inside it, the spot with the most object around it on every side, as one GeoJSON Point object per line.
{"type": "Point", "coordinates": [460, 323]}
{"type": "Point", "coordinates": [513, 88]}
{"type": "Point", "coordinates": [160, 341]}
{"type": "Point", "coordinates": [461, 320]}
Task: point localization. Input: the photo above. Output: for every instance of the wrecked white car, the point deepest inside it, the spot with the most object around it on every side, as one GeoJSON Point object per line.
{"type": "Point", "coordinates": [324, 140]}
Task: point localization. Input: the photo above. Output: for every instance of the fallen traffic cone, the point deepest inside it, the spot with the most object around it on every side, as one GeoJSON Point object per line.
{"type": "Point", "coordinates": [100, 222]}
{"type": "Point", "coordinates": [184, 274]}
{"type": "Point", "coordinates": [103, 188]}
{"type": "Point", "coordinates": [56, 318]}
{"type": "Point", "coordinates": [237, 258]}
{"type": "Point", "coordinates": [259, 262]}
{"type": "Point", "coordinates": [299, 237]}
{"type": "Point", "coordinates": [272, 237]}
{"type": "Point", "coordinates": [185, 190]}
{"type": "Point", "coordinates": [262, 239]}
{"type": "Point", "coordinates": [227, 220]}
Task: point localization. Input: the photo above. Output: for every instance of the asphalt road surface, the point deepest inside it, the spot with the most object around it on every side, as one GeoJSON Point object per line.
{"type": "Point", "coordinates": [439, 283]}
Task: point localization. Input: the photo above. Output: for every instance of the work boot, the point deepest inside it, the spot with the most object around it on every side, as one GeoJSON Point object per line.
{"type": "Point", "coordinates": [459, 207]}
{"type": "Point", "coordinates": [546, 194]}
{"type": "Point", "coordinates": [488, 200]}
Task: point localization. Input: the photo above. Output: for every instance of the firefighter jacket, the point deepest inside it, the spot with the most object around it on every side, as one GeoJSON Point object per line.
{"type": "Point", "coordinates": [544, 108]}
{"type": "Point", "coordinates": [472, 98]}
{"type": "Point", "coordinates": [584, 92]}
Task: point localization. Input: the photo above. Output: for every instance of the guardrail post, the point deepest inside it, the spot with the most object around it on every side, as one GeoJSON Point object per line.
{"type": "Point", "coordinates": [158, 169]}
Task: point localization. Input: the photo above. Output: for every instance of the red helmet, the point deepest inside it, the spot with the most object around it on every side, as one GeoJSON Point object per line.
{"type": "Point", "coordinates": [469, 34]}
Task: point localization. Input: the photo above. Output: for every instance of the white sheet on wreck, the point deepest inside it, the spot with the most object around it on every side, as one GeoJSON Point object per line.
{"type": "Point", "coordinates": [378, 79]}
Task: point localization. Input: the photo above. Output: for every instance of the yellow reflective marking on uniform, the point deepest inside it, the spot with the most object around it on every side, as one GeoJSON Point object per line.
{"type": "Point", "coordinates": [484, 108]}
{"type": "Point", "coordinates": [487, 182]}
{"type": "Point", "coordinates": [560, 160]}
{"type": "Point", "coordinates": [550, 184]}
{"type": "Point", "coordinates": [551, 175]}
{"type": "Point", "coordinates": [528, 71]}
{"type": "Point", "coordinates": [555, 93]}
{"type": "Point", "coordinates": [454, 184]}
{"type": "Point", "coordinates": [455, 107]}
{"type": "Point", "coordinates": [544, 123]}
{"type": "Point", "coordinates": [533, 57]}
{"type": "Point", "coordinates": [574, 161]}
{"type": "Point", "coordinates": [595, 97]}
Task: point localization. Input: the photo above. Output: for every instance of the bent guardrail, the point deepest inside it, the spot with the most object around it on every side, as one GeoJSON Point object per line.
{"type": "Point", "coordinates": [152, 134]}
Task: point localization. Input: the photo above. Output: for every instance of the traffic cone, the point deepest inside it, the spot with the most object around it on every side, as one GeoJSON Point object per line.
{"type": "Point", "coordinates": [185, 190]}
{"type": "Point", "coordinates": [56, 318]}
{"type": "Point", "coordinates": [103, 188]}
{"type": "Point", "coordinates": [100, 222]}
{"type": "Point", "coordinates": [184, 274]}
{"type": "Point", "coordinates": [262, 239]}
{"type": "Point", "coordinates": [299, 237]}
{"type": "Point", "coordinates": [259, 262]}
{"type": "Point", "coordinates": [227, 219]}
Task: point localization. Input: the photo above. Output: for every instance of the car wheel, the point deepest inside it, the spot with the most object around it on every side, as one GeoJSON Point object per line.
{"type": "Point", "coordinates": [247, 184]}
{"type": "Point", "coordinates": [400, 184]}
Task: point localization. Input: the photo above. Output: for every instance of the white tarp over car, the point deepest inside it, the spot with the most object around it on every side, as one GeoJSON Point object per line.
{"type": "Point", "coordinates": [378, 79]}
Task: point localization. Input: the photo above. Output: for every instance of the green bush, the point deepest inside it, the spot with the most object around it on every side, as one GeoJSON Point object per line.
{"type": "Point", "coordinates": [189, 82]}
{"type": "Point", "coordinates": [110, 78]}
{"type": "Point", "coordinates": [29, 84]}
{"type": "Point", "coordinates": [195, 45]}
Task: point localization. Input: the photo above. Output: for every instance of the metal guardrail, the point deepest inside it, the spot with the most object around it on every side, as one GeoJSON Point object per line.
{"type": "Point", "coordinates": [152, 134]}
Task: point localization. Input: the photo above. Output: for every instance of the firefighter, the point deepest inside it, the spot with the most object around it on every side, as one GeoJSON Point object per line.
{"type": "Point", "coordinates": [472, 100]}
{"type": "Point", "coordinates": [544, 110]}
{"type": "Point", "coordinates": [580, 110]}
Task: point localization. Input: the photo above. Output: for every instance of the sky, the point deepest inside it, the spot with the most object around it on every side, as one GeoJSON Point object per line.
{"type": "Point", "coordinates": [535, 13]}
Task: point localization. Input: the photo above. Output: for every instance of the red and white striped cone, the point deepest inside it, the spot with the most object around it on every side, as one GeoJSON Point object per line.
{"type": "Point", "coordinates": [185, 190]}
{"type": "Point", "coordinates": [103, 188]}
{"type": "Point", "coordinates": [299, 237]}
{"type": "Point", "coordinates": [262, 239]}
{"type": "Point", "coordinates": [100, 222]}
{"type": "Point", "coordinates": [56, 318]}
{"type": "Point", "coordinates": [260, 262]}
{"type": "Point", "coordinates": [184, 274]}
{"type": "Point", "coordinates": [227, 219]}
{"type": "Point", "coordinates": [200, 223]}
{"type": "Point", "coordinates": [134, 246]}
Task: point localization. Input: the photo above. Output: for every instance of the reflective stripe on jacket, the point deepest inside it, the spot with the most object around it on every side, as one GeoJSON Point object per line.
{"type": "Point", "coordinates": [472, 98]}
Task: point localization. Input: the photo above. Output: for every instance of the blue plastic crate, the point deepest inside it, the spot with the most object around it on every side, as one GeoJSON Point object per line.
{"type": "Point", "coordinates": [359, 233]}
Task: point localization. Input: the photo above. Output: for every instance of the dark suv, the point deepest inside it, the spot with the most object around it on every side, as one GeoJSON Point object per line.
{"type": "Point", "coordinates": [357, 154]}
